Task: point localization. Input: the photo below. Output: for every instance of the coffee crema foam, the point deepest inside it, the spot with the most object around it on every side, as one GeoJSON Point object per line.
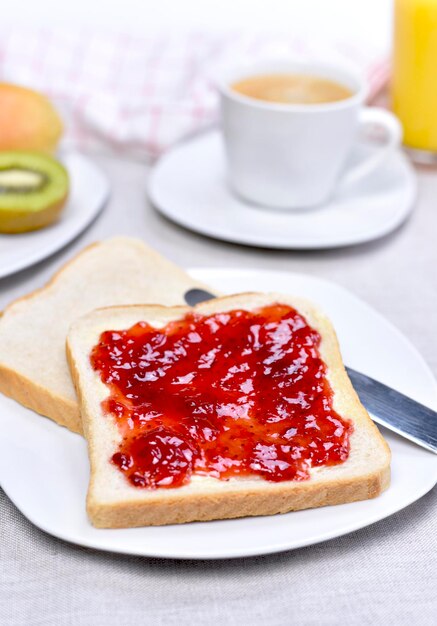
{"type": "Point", "coordinates": [291, 89]}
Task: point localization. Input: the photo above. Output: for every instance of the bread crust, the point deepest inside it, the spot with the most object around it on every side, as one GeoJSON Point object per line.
{"type": "Point", "coordinates": [42, 401]}
{"type": "Point", "coordinates": [203, 508]}
{"type": "Point", "coordinates": [235, 497]}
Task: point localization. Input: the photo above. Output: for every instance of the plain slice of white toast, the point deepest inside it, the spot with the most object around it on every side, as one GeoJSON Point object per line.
{"type": "Point", "coordinates": [33, 329]}
{"type": "Point", "coordinates": [113, 503]}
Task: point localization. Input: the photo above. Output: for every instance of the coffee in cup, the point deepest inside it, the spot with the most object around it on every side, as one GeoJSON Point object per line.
{"type": "Point", "coordinates": [286, 152]}
{"type": "Point", "coordinates": [291, 89]}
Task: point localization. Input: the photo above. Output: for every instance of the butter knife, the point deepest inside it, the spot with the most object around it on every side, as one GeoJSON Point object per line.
{"type": "Point", "coordinates": [388, 407]}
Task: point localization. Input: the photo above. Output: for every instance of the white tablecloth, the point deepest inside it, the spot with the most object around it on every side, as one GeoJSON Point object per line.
{"type": "Point", "coordinates": [382, 574]}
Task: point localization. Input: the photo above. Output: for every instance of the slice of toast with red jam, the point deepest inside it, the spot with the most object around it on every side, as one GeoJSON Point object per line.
{"type": "Point", "coordinates": [240, 406]}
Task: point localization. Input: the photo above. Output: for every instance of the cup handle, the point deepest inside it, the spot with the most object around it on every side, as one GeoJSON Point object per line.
{"type": "Point", "coordinates": [370, 118]}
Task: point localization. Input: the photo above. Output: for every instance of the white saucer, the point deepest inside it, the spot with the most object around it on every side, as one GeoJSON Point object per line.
{"type": "Point", "coordinates": [89, 190]}
{"type": "Point", "coordinates": [44, 468]}
{"type": "Point", "coordinates": [188, 185]}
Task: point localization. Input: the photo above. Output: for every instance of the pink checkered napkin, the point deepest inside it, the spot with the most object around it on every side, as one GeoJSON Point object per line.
{"type": "Point", "coordinates": [139, 95]}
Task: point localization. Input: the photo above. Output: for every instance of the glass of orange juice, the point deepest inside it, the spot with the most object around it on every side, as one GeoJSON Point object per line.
{"type": "Point", "coordinates": [414, 80]}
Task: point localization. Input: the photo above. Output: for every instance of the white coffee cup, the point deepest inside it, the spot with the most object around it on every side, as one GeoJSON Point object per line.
{"type": "Point", "coordinates": [293, 156]}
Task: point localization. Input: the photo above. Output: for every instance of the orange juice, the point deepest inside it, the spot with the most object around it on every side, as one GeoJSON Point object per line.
{"type": "Point", "coordinates": [414, 83]}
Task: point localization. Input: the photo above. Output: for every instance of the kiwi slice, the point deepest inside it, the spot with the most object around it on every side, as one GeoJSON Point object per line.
{"type": "Point", "coordinates": [33, 190]}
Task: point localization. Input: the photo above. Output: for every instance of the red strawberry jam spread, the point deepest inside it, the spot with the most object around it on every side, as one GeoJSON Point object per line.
{"type": "Point", "coordinates": [230, 394]}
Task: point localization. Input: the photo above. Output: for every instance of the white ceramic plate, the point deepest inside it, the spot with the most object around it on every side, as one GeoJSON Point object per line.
{"type": "Point", "coordinates": [44, 468]}
{"type": "Point", "coordinates": [188, 185]}
{"type": "Point", "coordinates": [89, 192]}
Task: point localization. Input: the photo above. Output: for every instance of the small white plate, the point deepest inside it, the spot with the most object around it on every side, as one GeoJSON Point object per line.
{"type": "Point", "coordinates": [44, 468]}
{"type": "Point", "coordinates": [188, 185]}
{"type": "Point", "coordinates": [89, 190]}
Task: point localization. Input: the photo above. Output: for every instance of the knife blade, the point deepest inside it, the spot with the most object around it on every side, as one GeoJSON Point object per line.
{"type": "Point", "coordinates": [388, 407]}
{"type": "Point", "coordinates": [396, 411]}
